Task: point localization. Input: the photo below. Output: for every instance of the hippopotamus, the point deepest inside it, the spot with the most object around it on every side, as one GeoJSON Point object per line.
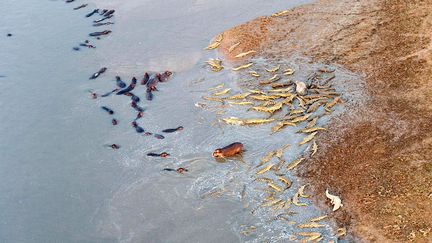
{"type": "Point", "coordinates": [87, 45]}
{"type": "Point", "coordinates": [100, 24]}
{"type": "Point", "coordinates": [109, 93]}
{"type": "Point", "coordinates": [111, 112]}
{"type": "Point", "coordinates": [102, 19]}
{"type": "Point", "coordinates": [96, 74]}
{"type": "Point", "coordinates": [149, 94]}
{"type": "Point", "coordinates": [110, 12]}
{"type": "Point", "coordinates": [163, 154]}
{"type": "Point", "coordinates": [145, 79]}
{"type": "Point", "coordinates": [180, 170]}
{"type": "Point", "coordinates": [119, 82]}
{"type": "Point", "coordinates": [152, 82]}
{"type": "Point", "coordinates": [93, 94]}
{"type": "Point", "coordinates": [228, 151]}
{"type": "Point", "coordinates": [113, 146]}
{"type": "Point", "coordinates": [138, 129]}
{"type": "Point", "coordinates": [164, 76]}
{"type": "Point", "coordinates": [129, 88]}
{"type": "Point", "coordinates": [93, 12]}
{"type": "Point", "coordinates": [80, 6]}
{"type": "Point", "coordinates": [99, 33]}
{"type": "Point", "coordinates": [158, 136]}
{"type": "Point", "coordinates": [136, 107]}
{"type": "Point", "coordinates": [139, 115]}
{"type": "Point", "coordinates": [171, 130]}
{"type": "Point", "coordinates": [135, 98]}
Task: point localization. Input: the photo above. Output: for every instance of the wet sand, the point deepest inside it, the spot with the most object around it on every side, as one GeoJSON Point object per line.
{"type": "Point", "coordinates": [376, 155]}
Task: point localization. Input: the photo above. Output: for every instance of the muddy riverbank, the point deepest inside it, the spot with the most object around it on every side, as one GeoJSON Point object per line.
{"type": "Point", "coordinates": [377, 155]}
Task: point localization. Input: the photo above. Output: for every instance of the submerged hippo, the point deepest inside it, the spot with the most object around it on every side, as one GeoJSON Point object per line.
{"type": "Point", "coordinates": [171, 130]}
{"type": "Point", "coordinates": [98, 73]}
{"type": "Point", "coordinates": [129, 88]}
{"type": "Point", "coordinates": [91, 13]}
{"type": "Point", "coordinates": [99, 33]}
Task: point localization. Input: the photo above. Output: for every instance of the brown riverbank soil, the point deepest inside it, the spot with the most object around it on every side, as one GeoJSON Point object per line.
{"type": "Point", "coordinates": [378, 156]}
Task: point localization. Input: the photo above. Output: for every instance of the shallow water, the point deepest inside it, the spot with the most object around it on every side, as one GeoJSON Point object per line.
{"type": "Point", "coordinates": [58, 182]}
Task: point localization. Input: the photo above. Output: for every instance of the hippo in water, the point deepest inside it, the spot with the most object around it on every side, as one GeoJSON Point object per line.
{"type": "Point", "coordinates": [228, 151]}
{"type": "Point", "coordinates": [163, 154]}
{"type": "Point", "coordinates": [93, 12]}
{"type": "Point", "coordinates": [171, 130]}
{"type": "Point", "coordinates": [180, 170]}
{"type": "Point", "coordinates": [119, 82]}
{"type": "Point", "coordinates": [100, 24]}
{"type": "Point", "coordinates": [152, 82]}
{"type": "Point", "coordinates": [80, 6]}
{"type": "Point", "coordinates": [145, 79]}
{"type": "Point", "coordinates": [129, 88]}
{"type": "Point", "coordinates": [158, 136]}
{"type": "Point", "coordinates": [134, 98]}
{"type": "Point", "coordinates": [111, 112]}
{"type": "Point", "coordinates": [102, 19]}
{"type": "Point", "coordinates": [110, 12]}
{"type": "Point", "coordinates": [98, 73]}
{"type": "Point", "coordinates": [149, 94]}
{"type": "Point", "coordinates": [87, 45]}
{"type": "Point", "coordinates": [136, 107]}
{"type": "Point", "coordinates": [113, 146]}
{"type": "Point", "coordinates": [164, 76]}
{"type": "Point", "coordinates": [99, 33]}
{"type": "Point", "coordinates": [109, 93]}
{"type": "Point", "coordinates": [140, 114]}
{"type": "Point", "coordinates": [138, 129]}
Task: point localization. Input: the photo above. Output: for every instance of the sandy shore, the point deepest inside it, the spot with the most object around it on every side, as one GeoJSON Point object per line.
{"type": "Point", "coordinates": [378, 155]}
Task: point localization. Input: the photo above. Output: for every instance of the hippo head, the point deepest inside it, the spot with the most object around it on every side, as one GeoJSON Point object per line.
{"type": "Point", "coordinates": [218, 153]}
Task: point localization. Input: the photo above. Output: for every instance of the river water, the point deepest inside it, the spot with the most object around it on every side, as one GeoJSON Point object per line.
{"type": "Point", "coordinates": [58, 183]}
